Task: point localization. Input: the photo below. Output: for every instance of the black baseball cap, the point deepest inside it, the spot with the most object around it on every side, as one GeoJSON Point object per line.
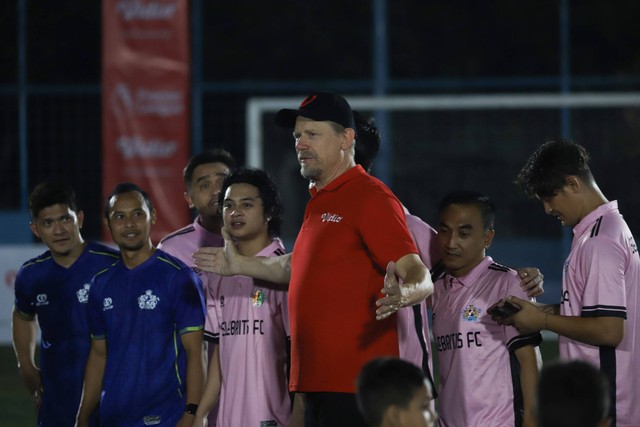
{"type": "Point", "coordinates": [319, 106]}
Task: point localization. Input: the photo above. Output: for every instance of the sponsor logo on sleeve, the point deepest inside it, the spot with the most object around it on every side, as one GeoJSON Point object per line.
{"type": "Point", "coordinates": [41, 300]}
{"type": "Point", "coordinates": [152, 420]}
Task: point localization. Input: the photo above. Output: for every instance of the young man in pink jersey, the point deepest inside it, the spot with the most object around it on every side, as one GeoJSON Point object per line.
{"type": "Point", "coordinates": [488, 372]}
{"type": "Point", "coordinates": [597, 318]}
{"type": "Point", "coordinates": [203, 176]}
{"type": "Point", "coordinates": [248, 372]}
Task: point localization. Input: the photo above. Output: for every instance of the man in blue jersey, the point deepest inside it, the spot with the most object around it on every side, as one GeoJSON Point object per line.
{"type": "Point", "coordinates": [146, 318]}
{"type": "Point", "coordinates": [54, 287]}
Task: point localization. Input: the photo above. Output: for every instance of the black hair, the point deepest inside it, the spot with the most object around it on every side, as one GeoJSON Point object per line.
{"type": "Point", "coordinates": [572, 394]}
{"type": "Point", "coordinates": [545, 171]}
{"type": "Point", "coordinates": [47, 194]}
{"type": "Point", "coordinates": [217, 155]}
{"type": "Point", "coordinates": [482, 201]}
{"type": "Point", "coordinates": [126, 187]}
{"type": "Point", "coordinates": [268, 193]}
{"type": "Point", "coordinates": [367, 140]}
{"type": "Point", "coordinates": [384, 382]}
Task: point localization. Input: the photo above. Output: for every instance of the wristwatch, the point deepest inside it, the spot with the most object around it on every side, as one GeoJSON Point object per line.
{"type": "Point", "coordinates": [191, 408]}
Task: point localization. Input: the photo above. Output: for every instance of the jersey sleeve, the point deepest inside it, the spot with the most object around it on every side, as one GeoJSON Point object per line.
{"type": "Point", "coordinates": [97, 326]}
{"type": "Point", "coordinates": [604, 277]}
{"type": "Point", "coordinates": [383, 229]}
{"type": "Point", "coordinates": [188, 301]}
{"type": "Point", "coordinates": [513, 339]}
{"type": "Point", "coordinates": [211, 323]}
{"type": "Point", "coordinates": [24, 300]}
{"type": "Point", "coordinates": [425, 238]}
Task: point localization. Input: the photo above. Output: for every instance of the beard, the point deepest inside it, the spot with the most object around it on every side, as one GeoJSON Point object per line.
{"type": "Point", "coordinates": [310, 172]}
{"type": "Point", "coordinates": [131, 246]}
{"type": "Point", "coordinates": [63, 253]}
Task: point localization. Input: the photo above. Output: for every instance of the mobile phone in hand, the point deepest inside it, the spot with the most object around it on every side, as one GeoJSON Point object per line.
{"type": "Point", "coordinates": [505, 310]}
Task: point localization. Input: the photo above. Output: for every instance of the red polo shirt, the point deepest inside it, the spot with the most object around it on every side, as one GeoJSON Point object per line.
{"type": "Point", "coordinates": [352, 228]}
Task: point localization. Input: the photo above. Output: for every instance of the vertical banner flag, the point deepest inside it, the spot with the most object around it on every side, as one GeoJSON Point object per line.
{"type": "Point", "coordinates": [145, 87]}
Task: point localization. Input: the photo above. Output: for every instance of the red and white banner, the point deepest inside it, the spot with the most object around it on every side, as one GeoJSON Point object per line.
{"type": "Point", "coordinates": [145, 98]}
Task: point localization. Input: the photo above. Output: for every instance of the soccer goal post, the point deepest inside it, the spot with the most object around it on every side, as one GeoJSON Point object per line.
{"type": "Point", "coordinates": [258, 106]}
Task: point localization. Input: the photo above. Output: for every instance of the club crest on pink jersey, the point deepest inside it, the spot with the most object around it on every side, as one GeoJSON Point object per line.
{"type": "Point", "coordinates": [258, 297]}
{"type": "Point", "coordinates": [471, 313]}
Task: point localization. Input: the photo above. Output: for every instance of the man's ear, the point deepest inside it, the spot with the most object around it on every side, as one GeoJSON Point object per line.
{"type": "Point", "coordinates": [105, 221]}
{"type": "Point", "coordinates": [80, 215]}
{"type": "Point", "coordinates": [488, 238]}
{"type": "Point", "coordinates": [34, 229]}
{"type": "Point", "coordinates": [153, 216]}
{"type": "Point", "coordinates": [187, 197]}
{"type": "Point", "coordinates": [349, 137]}
{"type": "Point", "coordinates": [392, 416]}
{"type": "Point", "coordinates": [573, 184]}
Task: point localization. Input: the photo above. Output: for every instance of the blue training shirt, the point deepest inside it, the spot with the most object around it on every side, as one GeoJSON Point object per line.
{"type": "Point", "coordinates": [142, 313]}
{"type": "Point", "coordinates": [58, 296]}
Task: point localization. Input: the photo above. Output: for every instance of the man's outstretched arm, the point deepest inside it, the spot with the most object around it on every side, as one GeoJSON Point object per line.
{"type": "Point", "coordinates": [226, 261]}
{"type": "Point", "coordinates": [416, 285]}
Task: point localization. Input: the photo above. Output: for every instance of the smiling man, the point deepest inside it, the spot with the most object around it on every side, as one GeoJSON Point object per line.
{"type": "Point", "coordinates": [146, 316]}
{"type": "Point", "coordinates": [54, 288]}
{"type": "Point", "coordinates": [597, 318]}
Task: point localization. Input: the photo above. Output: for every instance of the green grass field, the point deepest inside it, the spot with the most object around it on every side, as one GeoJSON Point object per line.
{"type": "Point", "coordinates": [16, 409]}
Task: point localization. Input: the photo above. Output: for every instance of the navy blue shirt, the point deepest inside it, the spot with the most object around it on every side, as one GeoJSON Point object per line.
{"type": "Point", "coordinates": [141, 313]}
{"type": "Point", "coordinates": [58, 296]}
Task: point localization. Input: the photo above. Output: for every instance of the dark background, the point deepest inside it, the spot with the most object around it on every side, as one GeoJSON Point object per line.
{"type": "Point", "coordinates": [290, 48]}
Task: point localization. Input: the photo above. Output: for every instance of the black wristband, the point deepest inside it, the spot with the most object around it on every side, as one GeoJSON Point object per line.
{"type": "Point", "coordinates": [191, 408]}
